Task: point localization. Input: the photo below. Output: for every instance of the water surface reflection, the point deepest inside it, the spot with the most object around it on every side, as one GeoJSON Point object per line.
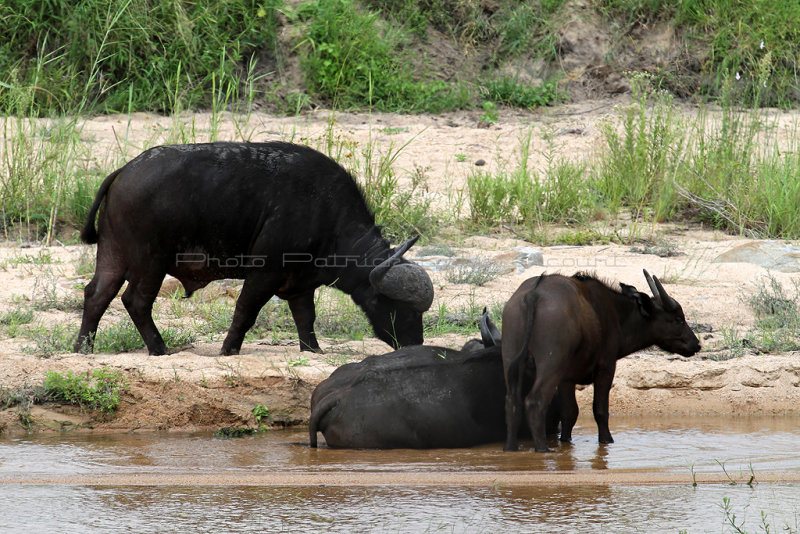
{"type": "Point", "coordinates": [643, 445]}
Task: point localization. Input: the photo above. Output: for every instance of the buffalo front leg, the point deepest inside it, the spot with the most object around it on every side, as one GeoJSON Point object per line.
{"type": "Point", "coordinates": [602, 387]}
{"type": "Point", "coordinates": [304, 315]}
{"type": "Point", "coordinates": [138, 299]}
{"type": "Point", "coordinates": [97, 295]}
{"type": "Point", "coordinates": [256, 291]}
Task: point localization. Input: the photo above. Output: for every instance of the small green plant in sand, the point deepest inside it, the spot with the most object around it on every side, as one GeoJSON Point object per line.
{"type": "Point", "coordinates": [99, 389]}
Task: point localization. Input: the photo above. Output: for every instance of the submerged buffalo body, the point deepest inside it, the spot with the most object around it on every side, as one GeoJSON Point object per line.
{"type": "Point", "coordinates": [284, 218]}
{"type": "Point", "coordinates": [414, 398]}
{"type": "Point", "coordinates": [564, 331]}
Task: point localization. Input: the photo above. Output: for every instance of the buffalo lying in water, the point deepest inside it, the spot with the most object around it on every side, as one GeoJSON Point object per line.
{"type": "Point", "coordinates": [415, 398]}
{"type": "Point", "coordinates": [572, 330]}
{"type": "Point", "coordinates": [284, 218]}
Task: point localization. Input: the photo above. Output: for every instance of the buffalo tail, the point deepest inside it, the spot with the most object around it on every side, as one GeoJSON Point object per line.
{"type": "Point", "coordinates": [320, 410]}
{"type": "Point", "coordinates": [89, 233]}
{"type": "Point", "coordinates": [529, 301]}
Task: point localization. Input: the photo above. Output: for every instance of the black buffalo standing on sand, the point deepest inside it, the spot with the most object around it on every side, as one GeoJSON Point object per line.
{"type": "Point", "coordinates": [415, 398]}
{"type": "Point", "coordinates": [572, 330]}
{"type": "Point", "coordinates": [285, 218]}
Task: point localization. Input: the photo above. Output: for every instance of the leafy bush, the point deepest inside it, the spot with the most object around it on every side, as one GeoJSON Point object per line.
{"type": "Point", "coordinates": [354, 60]}
{"type": "Point", "coordinates": [99, 389]}
{"type": "Point", "coordinates": [511, 92]}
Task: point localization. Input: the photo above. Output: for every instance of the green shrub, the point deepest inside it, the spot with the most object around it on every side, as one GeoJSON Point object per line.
{"type": "Point", "coordinates": [511, 92]}
{"type": "Point", "coordinates": [353, 60]}
{"type": "Point", "coordinates": [99, 389]}
{"type": "Point", "coordinates": [12, 321]}
{"type": "Point", "coordinates": [49, 340]}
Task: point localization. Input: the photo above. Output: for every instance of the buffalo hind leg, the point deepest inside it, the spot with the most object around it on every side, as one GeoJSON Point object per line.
{"type": "Point", "coordinates": [553, 416]}
{"type": "Point", "coordinates": [138, 299]}
{"type": "Point", "coordinates": [514, 409]}
{"type": "Point", "coordinates": [304, 315]}
{"type": "Point", "coordinates": [536, 404]}
{"type": "Point", "coordinates": [97, 295]}
{"type": "Point", "coordinates": [568, 408]}
{"type": "Point", "coordinates": [256, 291]}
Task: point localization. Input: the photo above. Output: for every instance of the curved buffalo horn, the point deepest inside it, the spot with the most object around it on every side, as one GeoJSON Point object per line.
{"type": "Point", "coordinates": [659, 292]}
{"type": "Point", "coordinates": [490, 335]}
{"type": "Point", "coordinates": [406, 282]}
{"type": "Point", "coordinates": [379, 271]}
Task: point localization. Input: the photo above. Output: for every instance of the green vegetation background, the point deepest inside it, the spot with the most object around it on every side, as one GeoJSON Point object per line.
{"type": "Point", "coordinates": [68, 56]}
{"type": "Point", "coordinates": [66, 59]}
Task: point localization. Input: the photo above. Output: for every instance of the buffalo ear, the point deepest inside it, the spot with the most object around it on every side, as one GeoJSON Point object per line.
{"type": "Point", "coordinates": [628, 291]}
{"type": "Point", "coordinates": [643, 301]}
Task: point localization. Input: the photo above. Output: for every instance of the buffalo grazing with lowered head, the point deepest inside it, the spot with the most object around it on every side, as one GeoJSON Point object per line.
{"type": "Point", "coordinates": [284, 218]}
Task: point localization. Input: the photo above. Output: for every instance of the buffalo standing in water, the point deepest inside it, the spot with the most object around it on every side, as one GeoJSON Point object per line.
{"type": "Point", "coordinates": [285, 218]}
{"type": "Point", "coordinates": [572, 330]}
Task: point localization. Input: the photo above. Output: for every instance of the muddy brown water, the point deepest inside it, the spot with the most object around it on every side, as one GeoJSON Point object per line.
{"type": "Point", "coordinates": [273, 482]}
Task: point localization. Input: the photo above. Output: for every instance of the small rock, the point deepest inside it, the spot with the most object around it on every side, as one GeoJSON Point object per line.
{"type": "Point", "coordinates": [480, 163]}
{"type": "Point", "coordinates": [773, 255]}
{"type": "Point", "coordinates": [529, 256]}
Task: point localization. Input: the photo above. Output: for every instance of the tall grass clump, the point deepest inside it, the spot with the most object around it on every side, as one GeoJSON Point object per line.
{"type": "Point", "coordinates": [726, 168]}
{"type": "Point", "coordinates": [401, 207]}
{"type": "Point", "coordinates": [125, 56]}
{"type": "Point", "coordinates": [401, 210]}
{"type": "Point", "coordinates": [739, 174]}
{"type": "Point", "coordinates": [559, 194]}
{"type": "Point", "coordinates": [642, 153]}
{"type": "Point", "coordinates": [42, 182]}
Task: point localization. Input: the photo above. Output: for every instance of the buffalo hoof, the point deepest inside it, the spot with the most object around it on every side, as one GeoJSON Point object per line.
{"type": "Point", "coordinates": [157, 349]}
{"type": "Point", "coordinates": [609, 439]}
{"type": "Point", "coordinates": [83, 346]}
{"type": "Point", "coordinates": [228, 352]}
{"type": "Point", "coordinates": [545, 449]}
